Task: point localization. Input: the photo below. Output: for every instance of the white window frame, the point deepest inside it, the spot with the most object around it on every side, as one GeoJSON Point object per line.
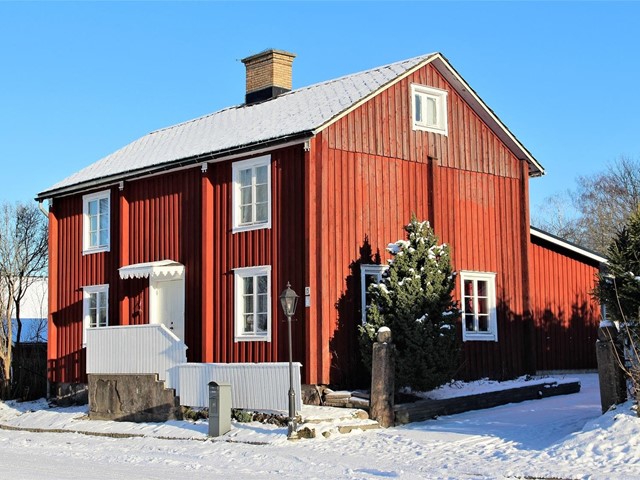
{"type": "Point", "coordinates": [238, 167]}
{"type": "Point", "coordinates": [440, 98]}
{"type": "Point", "coordinates": [491, 335]}
{"type": "Point", "coordinates": [239, 275]}
{"type": "Point", "coordinates": [87, 248]}
{"type": "Point", "coordinates": [87, 291]}
{"type": "Point", "coordinates": [371, 269]}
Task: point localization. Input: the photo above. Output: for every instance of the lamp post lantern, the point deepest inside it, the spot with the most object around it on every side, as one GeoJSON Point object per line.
{"type": "Point", "coordinates": [289, 301]}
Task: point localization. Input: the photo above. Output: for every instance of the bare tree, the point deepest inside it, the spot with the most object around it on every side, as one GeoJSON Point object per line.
{"type": "Point", "coordinates": [592, 214]}
{"type": "Point", "coordinates": [606, 200]}
{"type": "Point", "coordinates": [23, 258]}
{"type": "Point", "coordinates": [557, 216]}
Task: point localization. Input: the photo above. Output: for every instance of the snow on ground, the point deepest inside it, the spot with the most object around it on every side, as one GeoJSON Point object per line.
{"type": "Point", "coordinates": [459, 389]}
{"type": "Point", "coordinates": [556, 437]}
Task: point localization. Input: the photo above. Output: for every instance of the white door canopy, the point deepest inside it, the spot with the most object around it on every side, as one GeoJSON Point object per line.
{"type": "Point", "coordinates": [161, 269]}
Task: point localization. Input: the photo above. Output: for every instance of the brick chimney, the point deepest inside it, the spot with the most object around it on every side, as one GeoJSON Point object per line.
{"type": "Point", "coordinates": [268, 75]}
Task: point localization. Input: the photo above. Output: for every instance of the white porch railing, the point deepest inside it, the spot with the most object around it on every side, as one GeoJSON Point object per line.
{"type": "Point", "coordinates": [133, 349]}
{"type": "Point", "coordinates": [154, 349]}
{"type": "Point", "coordinates": [259, 386]}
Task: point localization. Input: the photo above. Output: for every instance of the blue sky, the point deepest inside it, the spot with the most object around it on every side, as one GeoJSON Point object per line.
{"type": "Point", "coordinates": [80, 80]}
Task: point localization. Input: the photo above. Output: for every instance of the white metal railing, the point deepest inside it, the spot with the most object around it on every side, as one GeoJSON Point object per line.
{"type": "Point", "coordinates": [133, 349]}
{"type": "Point", "coordinates": [258, 386]}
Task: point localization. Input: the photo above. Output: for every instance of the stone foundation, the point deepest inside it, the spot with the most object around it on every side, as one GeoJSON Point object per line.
{"type": "Point", "coordinates": [132, 398]}
{"type": "Point", "coordinates": [67, 394]}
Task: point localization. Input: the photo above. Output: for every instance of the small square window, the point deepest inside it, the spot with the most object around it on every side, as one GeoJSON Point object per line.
{"type": "Point", "coordinates": [252, 194]}
{"type": "Point", "coordinates": [479, 320]}
{"type": "Point", "coordinates": [95, 308]}
{"type": "Point", "coordinates": [429, 109]}
{"type": "Point", "coordinates": [96, 222]}
{"type": "Point", "coordinates": [253, 303]}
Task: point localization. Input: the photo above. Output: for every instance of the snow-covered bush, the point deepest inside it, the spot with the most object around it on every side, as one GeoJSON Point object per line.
{"type": "Point", "coordinates": [414, 300]}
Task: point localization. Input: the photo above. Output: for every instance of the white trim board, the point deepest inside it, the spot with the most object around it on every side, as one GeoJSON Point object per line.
{"type": "Point", "coordinates": [569, 246]}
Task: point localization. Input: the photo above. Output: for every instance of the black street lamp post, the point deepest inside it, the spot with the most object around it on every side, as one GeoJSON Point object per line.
{"type": "Point", "coordinates": [289, 301]}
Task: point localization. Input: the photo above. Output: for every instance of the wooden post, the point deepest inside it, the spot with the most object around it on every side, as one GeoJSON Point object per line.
{"type": "Point", "coordinates": [382, 380]}
{"type": "Point", "coordinates": [613, 385]}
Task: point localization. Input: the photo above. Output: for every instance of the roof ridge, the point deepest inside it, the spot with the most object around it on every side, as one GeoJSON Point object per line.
{"type": "Point", "coordinates": [300, 89]}
{"type": "Point", "coordinates": [362, 72]}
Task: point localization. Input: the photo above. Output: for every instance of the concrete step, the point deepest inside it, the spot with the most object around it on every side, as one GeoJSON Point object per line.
{"type": "Point", "coordinates": [327, 421]}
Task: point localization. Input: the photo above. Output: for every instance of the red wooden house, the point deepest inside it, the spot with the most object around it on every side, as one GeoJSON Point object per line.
{"type": "Point", "coordinates": [199, 226]}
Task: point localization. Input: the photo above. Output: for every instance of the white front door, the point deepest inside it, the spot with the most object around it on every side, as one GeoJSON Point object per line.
{"type": "Point", "coordinates": [167, 305]}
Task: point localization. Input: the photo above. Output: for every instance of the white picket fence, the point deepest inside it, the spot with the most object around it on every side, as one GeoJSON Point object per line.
{"type": "Point", "coordinates": [154, 349]}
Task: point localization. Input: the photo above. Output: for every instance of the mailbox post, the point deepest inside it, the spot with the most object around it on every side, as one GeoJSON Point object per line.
{"type": "Point", "coordinates": [219, 408]}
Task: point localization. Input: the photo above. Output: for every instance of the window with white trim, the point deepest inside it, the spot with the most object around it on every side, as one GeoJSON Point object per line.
{"type": "Point", "coordinates": [479, 306]}
{"type": "Point", "coordinates": [252, 194]}
{"type": "Point", "coordinates": [369, 273]}
{"type": "Point", "coordinates": [429, 109]}
{"type": "Point", "coordinates": [95, 222]}
{"type": "Point", "coordinates": [253, 303]}
{"type": "Point", "coordinates": [95, 308]}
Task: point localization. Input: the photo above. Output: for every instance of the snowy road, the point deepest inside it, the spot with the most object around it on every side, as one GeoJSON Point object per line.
{"type": "Point", "coordinates": [533, 439]}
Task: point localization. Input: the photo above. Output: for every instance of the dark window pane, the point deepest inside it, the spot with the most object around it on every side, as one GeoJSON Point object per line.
{"type": "Point", "coordinates": [483, 306]}
{"type": "Point", "coordinates": [261, 212]}
{"type": "Point", "coordinates": [248, 304]}
{"type": "Point", "coordinates": [248, 285]}
{"type": "Point", "coordinates": [245, 177]}
{"type": "Point", "coordinates": [262, 284]}
{"type": "Point", "coordinates": [261, 175]}
{"type": "Point", "coordinates": [468, 305]}
{"type": "Point", "coordinates": [245, 214]}
{"type": "Point", "coordinates": [245, 196]}
{"type": "Point", "coordinates": [248, 323]}
{"type": "Point", "coordinates": [262, 323]}
{"type": "Point", "coordinates": [483, 323]}
{"type": "Point", "coordinates": [469, 326]}
{"type": "Point", "coordinates": [468, 288]}
{"type": "Point", "coordinates": [418, 107]}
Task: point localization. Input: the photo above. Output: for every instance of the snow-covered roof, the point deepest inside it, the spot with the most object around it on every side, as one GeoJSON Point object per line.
{"type": "Point", "coordinates": [538, 233]}
{"type": "Point", "coordinates": [293, 115]}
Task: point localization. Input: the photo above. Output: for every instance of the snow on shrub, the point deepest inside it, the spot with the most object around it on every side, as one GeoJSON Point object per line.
{"type": "Point", "coordinates": [414, 300]}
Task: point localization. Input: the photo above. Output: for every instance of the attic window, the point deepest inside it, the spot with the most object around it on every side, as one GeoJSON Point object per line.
{"type": "Point", "coordinates": [429, 108]}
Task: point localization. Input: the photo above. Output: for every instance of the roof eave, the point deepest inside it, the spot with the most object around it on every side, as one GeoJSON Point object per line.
{"type": "Point", "coordinates": [541, 234]}
{"type": "Point", "coordinates": [217, 156]}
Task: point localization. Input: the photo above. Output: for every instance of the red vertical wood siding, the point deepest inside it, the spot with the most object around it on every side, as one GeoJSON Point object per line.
{"type": "Point", "coordinates": [371, 171]}
{"type": "Point", "coordinates": [281, 247]}
{"type": "Point", "coordinates": [164, 220]}
{"type": "Point", "coordinates": [71, 271]}
{"type": "Point", "coordinates": [565, 316]}
{"type": "Point", "coordinates": [164, 223]}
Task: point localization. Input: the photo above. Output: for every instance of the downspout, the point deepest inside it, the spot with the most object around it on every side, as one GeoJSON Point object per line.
{"type": "Point", "coordinates": [42, 209]}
